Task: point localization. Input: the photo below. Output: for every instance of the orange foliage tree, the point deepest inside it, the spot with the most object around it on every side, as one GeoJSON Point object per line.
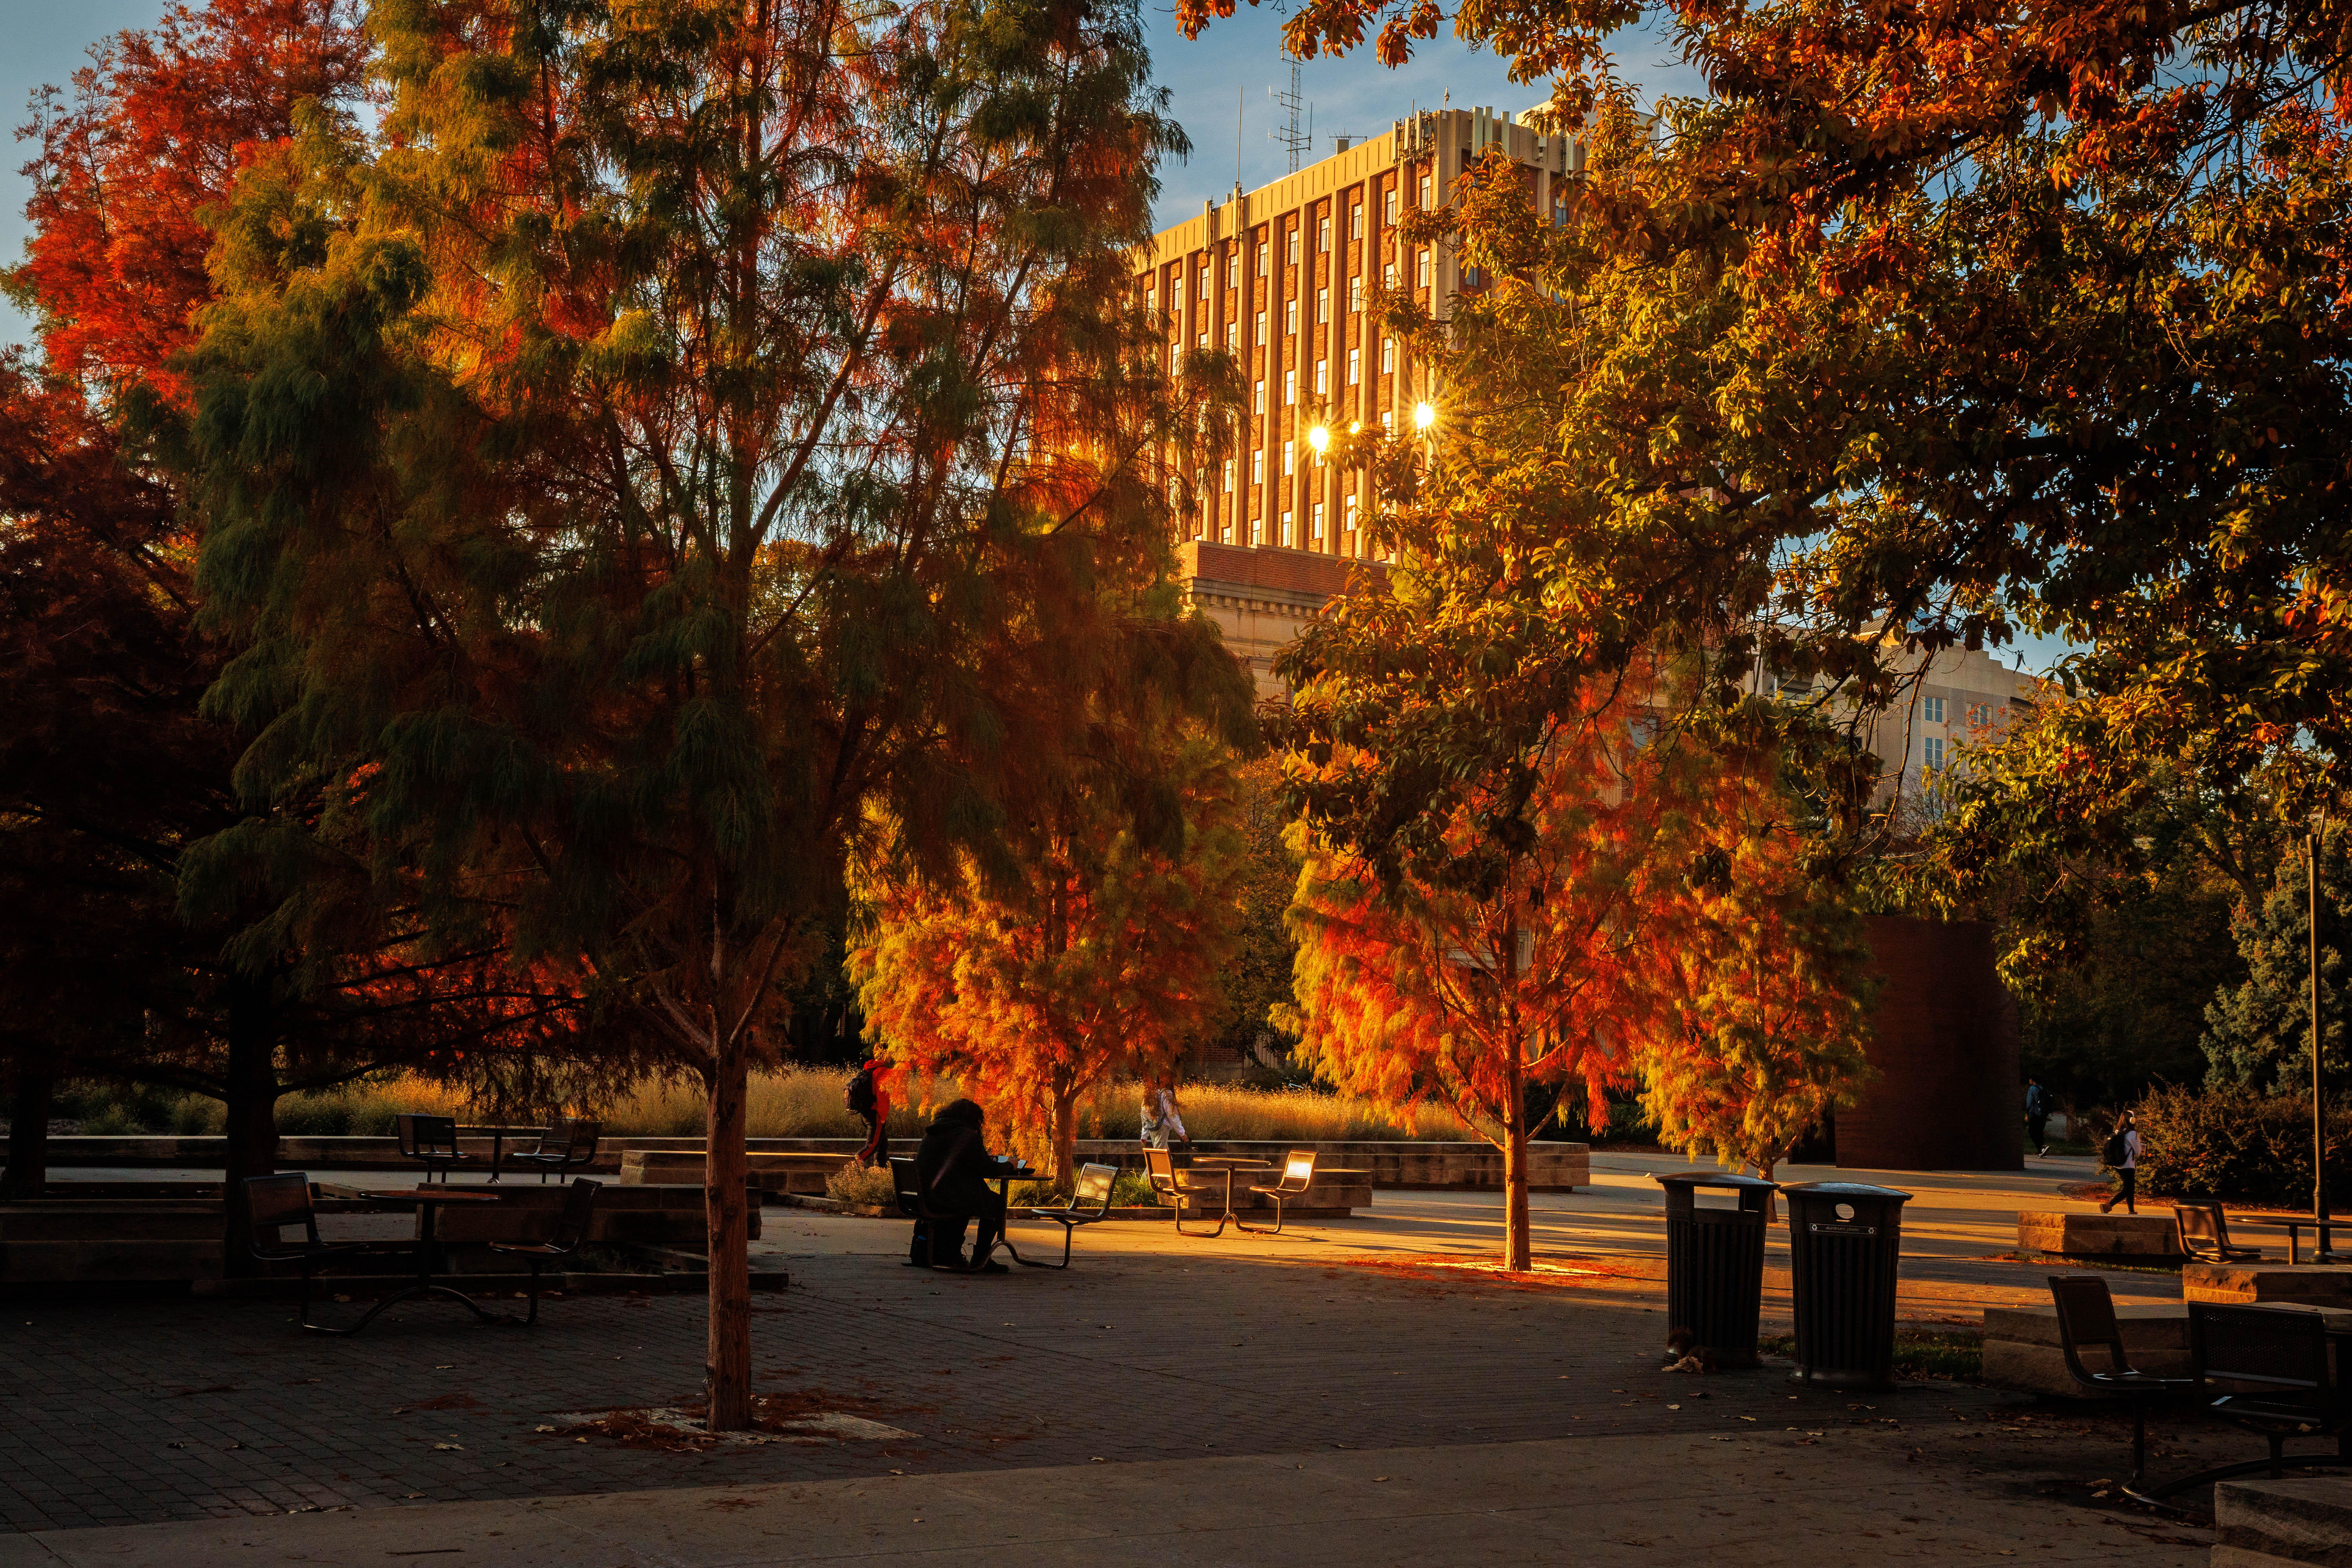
{"type": "Point", "coordinates": [1762, 1012]}
{"type": "Point", "coordinates": [1104, 951]}
{"type": "Point", "coordinates": [1542, 970]}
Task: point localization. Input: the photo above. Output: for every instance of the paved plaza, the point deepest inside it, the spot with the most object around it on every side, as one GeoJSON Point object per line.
{"type": "Point", "coordinates": [1346, 1391]}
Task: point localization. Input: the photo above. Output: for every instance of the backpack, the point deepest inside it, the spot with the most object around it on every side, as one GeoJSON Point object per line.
{"type": "Point", "coordinates": [2115, 1154]}
{"type": "Point", "coordinates": [859, 1094]}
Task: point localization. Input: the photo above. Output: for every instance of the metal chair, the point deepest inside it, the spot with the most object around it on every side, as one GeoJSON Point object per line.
{"type": "Point", "coordinates": [2205, 1235]}
{"type": "Point", "coordinates": [912, 1205]}
{"type": "Point", "coordinates": [2086, 1320]}
{"type": "Point", "coordinates": [571, 1230]}
{"type": "Point", "coordinates": [272, 1203]}
{"type": "Point", "coordinates": [1174, 1182]}
{"type": "Point", "coordinates": [431, 1141]}
{"type": "Point", "coordinates": [1297, 1175]}
{"type": "Point", "coordinates": [572, 1146]}
{"type": "Point", "coordinates": [1094, 1187]}
{"type": "Point", "coordinates": [2265, 1368]}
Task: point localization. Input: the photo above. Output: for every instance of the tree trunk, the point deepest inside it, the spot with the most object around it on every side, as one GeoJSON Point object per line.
{"type": "Point", "coordinates": [727, 1373]}
{"type": "Point", "coordinates": [250, 1107]}
{"type": "Point", "coordinates": [1517, 1245]}
{"type": "Point", "coordinates": [29, 1137]}
{"type": "Point", "coordinates": [1065, 1141]}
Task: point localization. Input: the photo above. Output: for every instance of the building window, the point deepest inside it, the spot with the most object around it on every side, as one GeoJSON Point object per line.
{"type": "Point", "coordinates": [1289, 452]}
{"type": "Point", "coordinates": [1203, 344]}
{"type": "Point", "coordinates": [1387, 422]}
{"type": "Point", "coordinates": [1265, 258]}
{"type": "Point", "coordinates": [1152, 301]}
{"type": "Point", "coordinates": [1356, 221]}
{"type": "Point", "coordinates": [1388, 212]}
{"type": "Point", "coordinates": [1285, 531]}
{"type": "Point", "coordinates": [1257, 334]}
{"type": "Point", "coordinates": [1979, 715]}
{"type": "Point", "coordinates": [1935, 752]}
{"type": "Point", "coordinates": [1290, 317]}
{"type": "Point", "coordinates": [1204, 282]}
{"type": "Point", "coordinates": [1388, 356]}
{"type": "Point", "coordinates": [1935, 710]}
{"type": "Point", "coordinates": [1289, 387]}
{"type": "Point", "coordinates": [1257, 466]}
{"type": "Point", "coordinates": [1355, 296]}
{"type": "Point", "coordinates": [1322, 304]}
{"type": "Point", "coordinates": [1315, 522]}
{"type": "Point", "coordinates": [1322, 378]}
{"type": "Point", "coordinates": [1232, 337]}
{"type": "Point", "coordinates": [1388, 275]}
{"type": "Point", "coordinates": [1323, 233]}
{"type": "Point", "coordinates": [1291, 246]}
{"type": "Point", "coordinates": [1424, 193]}
{"type": "Point", "coordinates": [1354, 366]}
{"type": "Point", "coordinates": [1424, 268]}
{"type": "Point", "coordinates": [1261, 397]}
{"type": "Point", "coordinates": [1350, 518]}
{"type": "Point", "coordinates": [1257, 532]}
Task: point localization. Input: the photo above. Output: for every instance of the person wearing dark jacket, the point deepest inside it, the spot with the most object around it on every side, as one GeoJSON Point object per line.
{"type": "Point", "coordinates": [952, 1168]}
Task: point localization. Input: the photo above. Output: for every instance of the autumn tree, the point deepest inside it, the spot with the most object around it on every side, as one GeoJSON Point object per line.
{"type": "Point", "coordinates": [1544, 970]}
{"type": "Point", "coordinates": [675, 441]}
{"type": "Point", "coordinates": [1101, 952]}
{"type": "Point", "coordinates": [1763, 1018]}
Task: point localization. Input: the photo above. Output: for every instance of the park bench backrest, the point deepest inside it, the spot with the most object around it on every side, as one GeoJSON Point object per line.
{"type": "Point", "coordinates": [1298, 1171]}
{"type": "Point", "coordinates": [424, 1135]}
{"type": "Point", "coordinates": [578, 1141]}
{"type": "Point", "coordinates": [902, 1179]}
{"type": "Point", "coordinates": [272, 1203]}
{"type": "Point", "coordinates": [1161, 1166]}
{"type": "Point", "coordinates": [579, 1211]}
{"type": "Point", "coordinates": [1094, 1185]}
{"type": "Point", "coordinates": [2086, 1317]}
{"type": "Point", "coordinates": [2281, 1351]}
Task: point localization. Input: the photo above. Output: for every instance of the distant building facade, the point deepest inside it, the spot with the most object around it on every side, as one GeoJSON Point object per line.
{"type": "Point", "coordinates": [1960, 698]}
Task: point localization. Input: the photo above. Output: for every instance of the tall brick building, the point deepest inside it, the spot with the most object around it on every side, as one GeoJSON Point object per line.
{"type": "Point", "coordinates": [1284, 277]}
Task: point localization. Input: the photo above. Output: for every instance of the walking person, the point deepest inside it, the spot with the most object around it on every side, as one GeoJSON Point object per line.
{"type": "Point", "coordinates": [2037, 1115]}
{"type": "Point", "coordinates": [868, 1098]}
{"type": "Point", "coordinates": [1162, 1128]}
{"type": "Point", "coordinates": [2122, 1156]}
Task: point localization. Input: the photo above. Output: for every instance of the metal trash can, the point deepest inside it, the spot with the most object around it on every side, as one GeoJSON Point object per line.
{"type": "Point", "coordinates": [1714, 1259]}
{"type": "Point", "coordinates": [1844, 1241]}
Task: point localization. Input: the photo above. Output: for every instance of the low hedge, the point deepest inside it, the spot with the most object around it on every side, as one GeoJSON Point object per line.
{"type": "Point", "coordinates": [2238, 1146]}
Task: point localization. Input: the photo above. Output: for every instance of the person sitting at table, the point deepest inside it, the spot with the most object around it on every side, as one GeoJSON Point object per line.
{"type": "Point", "coordinates": [952, 1168]}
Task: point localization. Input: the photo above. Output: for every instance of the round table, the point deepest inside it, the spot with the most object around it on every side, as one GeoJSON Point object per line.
{"type": "Point", "coordinates": [427, 1201]}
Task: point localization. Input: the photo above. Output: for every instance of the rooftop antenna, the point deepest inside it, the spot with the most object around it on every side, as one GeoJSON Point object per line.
{"type": "Point", "coordinates": [1240, 104]}
{"type": "Point", "coordinates": [1288, 136]}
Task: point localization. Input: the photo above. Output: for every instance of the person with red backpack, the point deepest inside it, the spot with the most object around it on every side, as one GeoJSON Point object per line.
{"type": "Point", "coordinates": [868, 1097]}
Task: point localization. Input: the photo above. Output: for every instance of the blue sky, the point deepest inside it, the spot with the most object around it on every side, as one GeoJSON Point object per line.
{"type": "Point", "coordinates": [1241, 57]}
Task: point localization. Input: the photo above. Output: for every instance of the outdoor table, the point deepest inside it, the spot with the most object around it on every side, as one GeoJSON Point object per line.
{"type": "Point", "coordinates": [428, 1248]}
{"type": "Point", "coordinates": [1230, 1164]}
{"type": "Point", "coordinates": [2296, 1225]}
{"type": "Point", "coordinates": [498, 1137]}
{"type": "Point", "coordinates": [1008, 1171]}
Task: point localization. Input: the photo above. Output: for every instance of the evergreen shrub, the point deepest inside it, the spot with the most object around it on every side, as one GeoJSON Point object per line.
{"type": "Point", "coordinates": [2233, 1144]}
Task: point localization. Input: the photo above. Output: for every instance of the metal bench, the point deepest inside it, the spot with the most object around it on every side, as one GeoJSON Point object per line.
{"type": "Point", "coordinates": [570, 1147]}
{"type": "Point", "coordinates": [1297, 1175]}
{"type": "Point", "coordinates": [1174, 1182]}
{"type": "Point", "coordinates": [571, 1230]}
{"type": "Point", "coordinates": [2266, 1368]}
{"type": "Point", "coordinates": [1094, 1187]}
{"type": "Point", "coordinates": [273, 1203]}
{"type": "Point", "coordinates": [431, 1141]}
{"type": "Point", "coordinates": [2205, 1235]}
{"type": "Point", "coordinates": [2086, 1321]}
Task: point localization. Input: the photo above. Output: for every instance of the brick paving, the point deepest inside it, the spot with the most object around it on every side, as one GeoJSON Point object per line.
{"type": "Point", "coordinates": [123, 1413]}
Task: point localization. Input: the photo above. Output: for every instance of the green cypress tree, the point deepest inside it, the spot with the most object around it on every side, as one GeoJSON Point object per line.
{"type": "Point", "coordinates": [2259, 1032]}
{"type": "Point", "coordinates": [679, 440]}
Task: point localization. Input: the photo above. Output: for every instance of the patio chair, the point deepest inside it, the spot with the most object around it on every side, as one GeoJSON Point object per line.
{"type": "Point", "coordinates": [571, 1230]}
{"type": "Point", "coordinates": [911, 1205]}
{"type": "Point", "coordinates": [570, 1147]}
{"type": "Point", "coordinates": [273, 1203]}
{"type": "Point", "coordinates": [1174, 1182]}
{"type": "Point", "coordinates": [2086, 1321]}
{"type": "Point", "coordinates": [1297, 1175]}
{"type": "Point", "coordinates": [431, 1141]}
{"type": "Point", "coordinates": [2205, 1235]}
{"type": "Point", "coordinates": [2265, 1368]}
{"type": "Point", "coordinates": [1094, 1187]}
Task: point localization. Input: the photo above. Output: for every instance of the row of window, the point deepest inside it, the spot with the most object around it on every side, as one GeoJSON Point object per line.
{"type": "Point", "coordinates": [1284, 532]}
{"type": "Point", "coordinates": [1980, 714]}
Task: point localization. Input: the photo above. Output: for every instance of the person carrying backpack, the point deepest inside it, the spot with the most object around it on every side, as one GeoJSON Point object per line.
{"type": "Point", "coordinates": [2037, 1115]}
{"type": "Point", "coordinates": [868, 1097]}
{"type": "Point", "coordinates": [2122, 1157]}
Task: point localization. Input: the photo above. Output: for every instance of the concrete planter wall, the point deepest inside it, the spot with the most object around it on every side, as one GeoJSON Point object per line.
{"type": "Point", "coordinates": [1393, 1164]}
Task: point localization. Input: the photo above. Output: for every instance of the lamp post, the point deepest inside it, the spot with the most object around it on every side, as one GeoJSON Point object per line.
{"type": "Point", "coordinates": [2318, 826]}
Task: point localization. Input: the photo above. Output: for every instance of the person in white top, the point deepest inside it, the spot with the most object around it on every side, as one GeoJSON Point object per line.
{"type": "Point", "coordinates": [1162, 1128]}
{"type": "Point", "coordinates": [2126, 1169]}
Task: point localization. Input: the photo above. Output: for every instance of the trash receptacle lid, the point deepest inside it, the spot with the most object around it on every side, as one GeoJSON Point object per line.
{"type": "Point", "coordinates": [1846, 1190]}
{"type": "Point", "coordinates": [1715, 1179]}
